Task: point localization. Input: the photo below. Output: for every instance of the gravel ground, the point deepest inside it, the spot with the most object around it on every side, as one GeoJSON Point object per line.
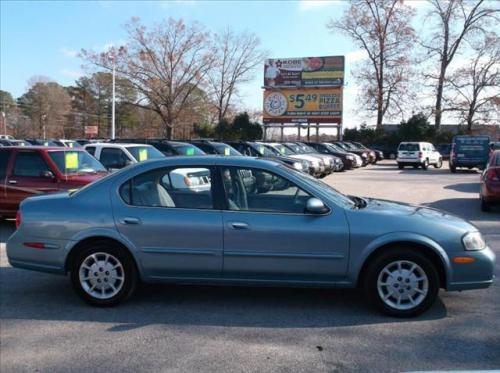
{"type": "Point", "coordinates": [46, 328]}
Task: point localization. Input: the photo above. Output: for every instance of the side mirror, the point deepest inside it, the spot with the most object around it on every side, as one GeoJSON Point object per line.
{"type": "Point", "coordinates": [48, 174]}
{"type": "Point", "coordinates": [316, 206]}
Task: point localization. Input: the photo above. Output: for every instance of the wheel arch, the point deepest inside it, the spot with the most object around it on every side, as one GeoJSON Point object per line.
{"type": "Point", "coordinates": [430, 249]}
{"type": "Point", "coordinates": [90, 239]}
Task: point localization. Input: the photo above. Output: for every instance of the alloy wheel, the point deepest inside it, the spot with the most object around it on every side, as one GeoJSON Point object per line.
{"type": "Point", "coordinates": [101, 275]}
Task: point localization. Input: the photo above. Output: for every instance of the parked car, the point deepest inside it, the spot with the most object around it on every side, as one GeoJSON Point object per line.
{"type": "Point", "coordinates": [253, 149]}
{"type": "Point", "coordinates": [303, 148]}
{"type": "Point", "coordinates": [214, 147]}
{"type": "Point", "coordinates": [469, 152]}
{"type": "Point", "coordinates": [320, 169]}
{"type": "Point", "coordinates": [284, 228]}
{"type": "Point", "coordinates": [389, 151]}
{"type": "Point", "coordinates": [444, 150]}
{"type": "Point", "coordinates": [7, 137]}
{"type": "Point", "coordinates": [490, 183]}
{"type": "Point", "coordinates": [362, 153]}
{"type": "Point", "coordinates": [379, 154]}
{"type": "Point", "coordinates": [167, 147]}
{"type": "Point", "coordinates": [43, 142]}
{"type": "Point", "coordinates": [27, 170]}
{"type": "Point", "coordinates": [116, 156]}
{"type": "Point", "coordinates": [350, 160]}
{"type": "Point", "coordinates": [67, 143]}
{"type": "Point", "coordinates": [418, 154]}
{"type": "Point", "coordinates": [373, 156]}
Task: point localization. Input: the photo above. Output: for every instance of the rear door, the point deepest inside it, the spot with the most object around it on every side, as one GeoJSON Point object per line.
{"type": "Point", "coordinates": [29, 175]}
{"type": "Point", "coordinates": [409, 151]}
{"type": "Point", "coordinates": [169, 215]}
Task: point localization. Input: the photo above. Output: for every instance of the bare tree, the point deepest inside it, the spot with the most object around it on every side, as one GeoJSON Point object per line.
{"type": "Point", "coordinates": [166, 65]}
{"type": "Point", "coordinates": [475, 87]}
{"type": "Point", "coordinates": [237, 57]}
{"type": "Point", "coordinates": [456, 19]}
{"type": "Point", "coordinates": [382, 29]}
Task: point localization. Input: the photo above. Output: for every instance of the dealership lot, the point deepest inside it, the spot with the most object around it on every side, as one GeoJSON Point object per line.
{"type": "Point", "coordinates": [45, 327]}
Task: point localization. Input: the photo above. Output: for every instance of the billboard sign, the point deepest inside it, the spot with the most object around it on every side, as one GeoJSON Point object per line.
{"type": "Point", "coordinates": [304, 105]}
{"type": "Point", "coordinates": [304, 72]}
{"type": "Point", "coordinates": [91, 131]}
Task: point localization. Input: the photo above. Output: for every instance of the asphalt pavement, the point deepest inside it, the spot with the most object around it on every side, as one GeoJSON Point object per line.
{"type": "Point", "coordinates": [45, 327]}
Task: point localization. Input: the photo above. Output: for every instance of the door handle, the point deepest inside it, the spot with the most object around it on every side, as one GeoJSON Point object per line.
{"type": "Point", "coordinates": [239, 225]}
{"type": "Point", "coordinates": [12, 181]}
{"type": "Point", "coordinates": [130, 221]}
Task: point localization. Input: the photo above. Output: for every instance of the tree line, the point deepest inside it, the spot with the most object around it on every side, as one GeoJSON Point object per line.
{"type": "Point", "coordinates": [400, 63]}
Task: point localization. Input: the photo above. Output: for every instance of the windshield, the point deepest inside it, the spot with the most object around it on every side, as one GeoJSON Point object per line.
{"type": "Point", "coordinates": [226, 149]}
{"type": "Point", "coordinates": [75, 162]}
{"type": "Point", "coordinates": [264, 151]}
{"type": "Point", "coordinates": [71, 144]}
{"type": "Point", "coordinates": [335, 148]}
{"type": "Point", "coordinates": [409, 147]}
{"type": "Point", "coordinates": [330, 191]}
{"type": "Point", "coordinates": [143, 153]}
{"type": "Point", "coordinates": [282, 149]}
{"type": "Point", "coordinates": [296, 148]}
{"type": "Point", "coordinates": [187, 149]}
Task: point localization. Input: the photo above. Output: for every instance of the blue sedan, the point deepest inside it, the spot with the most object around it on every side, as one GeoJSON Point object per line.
{"type": "Point", "coordinates": [240, 220]}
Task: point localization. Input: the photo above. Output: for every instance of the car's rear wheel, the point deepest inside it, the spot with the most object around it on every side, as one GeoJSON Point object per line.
{"type": "Point", "coordinates": [439, 163]}
{"type": "Point", "coordinates": [402, 283]}
{"type": "Point", "coordinates": [401, 166]}
{"type": "Point", "coordinates": [453, 169]}
{"type": "Point", "coordinates": [104, 274]}
{"type": "Point", "coordinates": [425, 165]}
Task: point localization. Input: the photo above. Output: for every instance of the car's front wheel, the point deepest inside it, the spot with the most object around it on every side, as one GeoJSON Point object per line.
{"type": "Point", "coordinates": [104, 274]}
{"type": "Point", "coordinates": [439, 163]}
{"type": "Point", "coordinates": [401, 283]}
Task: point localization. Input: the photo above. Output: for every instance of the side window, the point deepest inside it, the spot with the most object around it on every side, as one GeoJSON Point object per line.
{"type": "Point", "coordinates": [30, 164]}
{"type": "Point", "coordinates": [179, 187]}
{"type": "Point", "coordinates": [250, 189]}
{"type": "Point", "coordinates": [90, 150]}
{"type": "Point", "coordinates": [4, 162]}
{"type": "Point", "coordinates": [113, 158]}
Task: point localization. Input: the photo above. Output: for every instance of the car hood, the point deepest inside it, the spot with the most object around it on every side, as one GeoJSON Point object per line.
{"type": "Point", "coordinates": [420, 215]}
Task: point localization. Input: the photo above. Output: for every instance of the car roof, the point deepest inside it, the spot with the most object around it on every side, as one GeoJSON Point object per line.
{"type": "Point", "coordinates": [43, 148]}
{"type": "Point", "coordinates": [197, 160]}
{"type": "Point", "coordinates": [115, 145]}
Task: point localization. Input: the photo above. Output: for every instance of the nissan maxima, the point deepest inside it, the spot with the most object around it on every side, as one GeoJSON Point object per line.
{"type": "Point", "coordinates": [254, 222]}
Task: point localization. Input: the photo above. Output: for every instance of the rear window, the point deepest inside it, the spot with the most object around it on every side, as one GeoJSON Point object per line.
{"type": "Point", "coordinates": [4, 161]}
{"type": "Point", "coordinates": [409, 147]}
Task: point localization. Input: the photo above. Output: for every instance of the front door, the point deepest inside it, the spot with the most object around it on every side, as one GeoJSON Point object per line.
{"type": "Point", "coordinates": [169, 216]}
{"type": "Point", "coordinates": [269, 236]}
{"type": "Point", "coordinates": [30, 175]}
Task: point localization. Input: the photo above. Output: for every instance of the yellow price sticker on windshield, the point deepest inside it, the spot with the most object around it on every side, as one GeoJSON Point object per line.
{"type": "Point", "coordinates": [71, 160]}
{"type": "Point", "coordinates": [143, 155]}
{"type": "Point", "coordinates": [227, 151]}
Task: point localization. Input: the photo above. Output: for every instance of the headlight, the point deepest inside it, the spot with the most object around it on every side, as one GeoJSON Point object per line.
{"type": "Point", "coordinates": [350, 157]}
{"type": "Point", "coordinates": [298, 166]}
{"type": "Point", "coordinates": [473, 241]}
{"type": "Point", "coordinates": [363, 155]}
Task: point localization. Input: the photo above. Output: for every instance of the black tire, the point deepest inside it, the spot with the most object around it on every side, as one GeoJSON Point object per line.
{"type": "Point", "coordinates": [377, 264]}
{"type": "Point", "coordinates": [401, 166]}
{"type": "Point", "coordinates": [425, 165]}
{"type": "Point", "coordinates": [415, 166]}
{"type": "Point", "coordinates": [453, 169]}
{"type": "Point", "coordinates": [439, 163]}
{"type": "Point", "coordinates": [485, 206]}
{"type": "Point", "coordinates": [129, 273]}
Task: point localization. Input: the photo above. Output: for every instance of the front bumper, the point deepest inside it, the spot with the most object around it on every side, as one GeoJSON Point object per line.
{"type": "Point", "coordinates": [476, 275]}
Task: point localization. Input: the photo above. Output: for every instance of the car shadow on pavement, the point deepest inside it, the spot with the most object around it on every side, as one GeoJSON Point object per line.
{"type": "Point", "coordinates": [464, 187]}
{"type": "Point", "coordinates": [30, 295]}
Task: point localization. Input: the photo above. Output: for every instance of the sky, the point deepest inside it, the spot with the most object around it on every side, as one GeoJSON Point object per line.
{"type": "Point", "coordinates": [44, 37]}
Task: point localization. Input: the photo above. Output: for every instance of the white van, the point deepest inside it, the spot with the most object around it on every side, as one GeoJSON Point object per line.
{"type": "Point", "coordinates": [418, 154]}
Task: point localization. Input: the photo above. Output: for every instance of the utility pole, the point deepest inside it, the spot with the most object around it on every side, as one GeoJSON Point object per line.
{"type": "Point", "coordinates": [113, 100]}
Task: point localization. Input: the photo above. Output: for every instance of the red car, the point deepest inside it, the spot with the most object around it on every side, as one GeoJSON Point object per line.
{"type": "Point", "coordinates": [30, 170]}
{"type": "Point", "coordinates": [490, 182]}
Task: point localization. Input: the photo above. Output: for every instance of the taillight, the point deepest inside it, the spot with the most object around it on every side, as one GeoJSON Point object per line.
{"type": "Point", "coordinates": [493, 174]}
{"type": "Point", "coordinates": [18, 219]}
